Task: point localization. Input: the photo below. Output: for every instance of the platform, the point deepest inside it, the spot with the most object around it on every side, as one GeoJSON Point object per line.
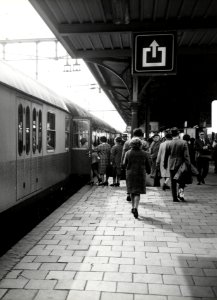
{"type": "Point", "coordinates": [92, 248]}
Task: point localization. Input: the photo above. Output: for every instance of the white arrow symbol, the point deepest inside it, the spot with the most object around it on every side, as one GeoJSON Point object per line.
{"type": "Point", "coordinates": [154, 46]}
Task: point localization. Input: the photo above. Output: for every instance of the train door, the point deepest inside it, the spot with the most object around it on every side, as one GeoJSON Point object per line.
{"type": "Point", "coordinates": [81, 146]}
{"type": "Point", "coordinates": [23, 148]}
{"type": "Point", "coordinates": [36, 155]}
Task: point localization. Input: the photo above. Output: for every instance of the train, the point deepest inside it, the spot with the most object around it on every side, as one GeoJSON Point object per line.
{"type": "Point", "coordinates": [41, 134]}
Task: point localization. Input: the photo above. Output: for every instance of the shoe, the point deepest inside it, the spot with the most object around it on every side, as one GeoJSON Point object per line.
{"type": "Point", "coordinates": [165, 187]}
{"type": "Point", "coordinates": [128, 198]}
{"type": "Point", "coordinates": [90, 183]}
{"type": "Point", "coordinates": [198, 183]}
{"type": "Point", "coordinates": [181, 195]}
{"type": "Point", "coordinates": [105, 183]}
{"type": "Point", "coordinates": [203, 181]}
{"type": "Point", "coordinates": [113, 184]}
{"type": "Point", "coordinates": [135, 213]}
{"type": "Point", "coordinates": [117, 184]}
{"type": "Point", "coordinates": [132, 210]}
{"type": "Point", "coordinates": [101, 183]}
{"type": "Point", "coordinates": [176, 200]}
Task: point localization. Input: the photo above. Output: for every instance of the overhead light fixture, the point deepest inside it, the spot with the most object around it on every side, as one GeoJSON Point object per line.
{"type": "Point", "coordinates": [94, 86]}
{"type": "Point", "coordinates": [76, 66]}
{"type": "Point", "coordinates": [67, 66]}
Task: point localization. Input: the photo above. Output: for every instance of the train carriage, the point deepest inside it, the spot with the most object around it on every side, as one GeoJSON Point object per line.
{"type": "Point", "coordinates": [41, 134]}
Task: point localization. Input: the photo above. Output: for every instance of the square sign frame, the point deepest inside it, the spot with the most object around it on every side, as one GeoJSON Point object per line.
{"type": "Point", "coordinates": [154, 53]}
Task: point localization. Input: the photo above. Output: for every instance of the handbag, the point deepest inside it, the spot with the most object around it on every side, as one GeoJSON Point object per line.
{"type": "Point", "coordinates": [123, 173]}
{"type": "Point", "coordinates": [183, 175]}
{"type": "Point", "coordinates": [109, 170]}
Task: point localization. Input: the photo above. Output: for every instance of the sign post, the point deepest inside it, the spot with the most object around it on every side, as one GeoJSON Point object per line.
{"type": "Point", "coordinates": [154, 54]}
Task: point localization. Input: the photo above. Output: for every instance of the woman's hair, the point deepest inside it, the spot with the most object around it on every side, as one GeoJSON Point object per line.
{"type": "Point", "coordinates": [118, 139]}
{"type": "Point", "coordinates": [186, 137]}
{"type": "Point", "coordinates": [136, 143]}
{"type": "Point", "coordinates": [103, 139]}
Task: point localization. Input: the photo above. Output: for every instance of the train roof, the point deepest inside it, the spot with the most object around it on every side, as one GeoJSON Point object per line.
{"type": "Point", "coordinates": [97, 123]}
{"type": "Point", "coordinates": [12, 77]}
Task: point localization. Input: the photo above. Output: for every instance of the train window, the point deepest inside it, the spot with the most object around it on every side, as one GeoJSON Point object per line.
{"type": "Point", "coordinates": [27, 130]}
{"type": "Point", "coordinates": [20, 129]}
{"type": "Point", "coordinates": [67, 131]}
{"type": "Point", "coordinates": [51, 133]}
{"type": "Point", "coordinates": [94, 138]}
{"type": "Point", "coordinates": [34, 130]}
{"type": "Point", "coordinates": [39, 131]}
{"type": "Point", "coordinates": [80, 136]}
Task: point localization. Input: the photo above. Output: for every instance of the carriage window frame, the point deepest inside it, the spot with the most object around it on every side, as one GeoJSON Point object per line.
{"type": "Point", "coordinates": [67, 133]}
{"type": "Point", "coordinates": [40, 131]}
{"type": "Point", "coordinates": [80, 131]}
{"type": "Point", "coordinates": [20, 128]}
{"type": "Point", "coordinates": [34, 130]}
{"type": "Point", "coordinates": [28, 129]}
{"type": "Point", "coordinates": [51, 131]}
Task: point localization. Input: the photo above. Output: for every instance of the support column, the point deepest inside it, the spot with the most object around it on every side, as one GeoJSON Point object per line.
{"type": "Point", "coordinates": [147, 121]}
{"type": "Point", "coordinates": [134, 112]}
{"type": "Point", "coordinates": [134, 105]}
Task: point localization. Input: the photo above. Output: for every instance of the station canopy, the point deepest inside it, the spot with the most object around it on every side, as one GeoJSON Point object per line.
{"type": "Point", "coordinates": [100, 32]}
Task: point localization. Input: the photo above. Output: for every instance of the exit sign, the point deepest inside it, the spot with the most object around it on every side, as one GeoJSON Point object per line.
{"type": "Point", "coordinates": [154, 53]}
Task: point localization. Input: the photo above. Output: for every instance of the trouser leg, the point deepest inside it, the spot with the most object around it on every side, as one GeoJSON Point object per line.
{"type": "Point", "coordinates": [205, 168]}
{"type": "Point", "coordinates": [173, 185]}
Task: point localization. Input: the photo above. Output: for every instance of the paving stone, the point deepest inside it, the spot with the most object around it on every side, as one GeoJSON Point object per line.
{"type": "Point", "coordinates": [116, 296]}
{"type": "Point", "coordinates": [60, 275]}
{"type": "Point", "coordinates": [69, 284]}
{"type": "Point", "coordinates": [151, 297]}
{"type": "Point", "coordinates": [107, 286]}
{"type": "Point", "coordinates": [132, 269]}
{"type": "Point", "coordinates": [78, 266]}
{"type": "Point", "coordinates": [13, 283]}
{"type": "Point", "coordinates": [160, 289]}
{"type": "Point", "coordinates": [205, 281]}
{"type": "Point", "coordinates": [2, 292]}
{"type": "Point", "coordinates": [136, 288]}
{"type": "Point", "coordinates": [196, 291]}
{"type": "Point", "coordinates": [105, 267]}
{"type": "Point", "coordinates": [117, 276]}
{"type": "Point", "coordinates": [178, 280]}
{"type": "Point", "coordinates": [52, 266]}
{"type": "Point", "coordinates": [189, 271]}
{"type": "Point", "coordinates": [89, 275]}
{"type": "Point", "coordinates": [41, 284]}
{"type": "Point", "coordinates": [147, 278]}
{"type": "Point", "coordinates": [46, 258]}
{"type": "Point", "coordinates": [51, 295]}
{"type": "Point", "coordinates": [34, 274]}
{"type": "Point", "coordinates": [160, 270]}
{"type": "Point", "coordinates": [84, 295]}
{"type": "Point", "coordinates": [16, 294]}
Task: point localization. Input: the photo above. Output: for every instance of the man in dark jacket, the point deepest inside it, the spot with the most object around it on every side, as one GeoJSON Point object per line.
{"type": "Point", "coordinates": [203, 156]}
{"type": "Point", "coordinates": [175, 155]}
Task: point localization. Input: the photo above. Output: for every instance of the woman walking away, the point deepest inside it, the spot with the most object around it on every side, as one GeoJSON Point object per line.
{"type": "Point", "coordinates": [137, 165]}
{"type": "Point", "coordinates": [103, 150]}
{"type": "Point", "coordinates": [116, 153]}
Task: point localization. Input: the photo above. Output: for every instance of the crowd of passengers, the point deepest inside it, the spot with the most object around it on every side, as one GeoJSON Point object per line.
{"type": "Point", "coordinates": [169, 159]}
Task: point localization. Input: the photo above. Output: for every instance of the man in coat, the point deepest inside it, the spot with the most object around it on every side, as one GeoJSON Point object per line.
{"type": "Point", "coordinates": [178, 152]}
{"type": "Point", "coordinates": [203, 156]}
